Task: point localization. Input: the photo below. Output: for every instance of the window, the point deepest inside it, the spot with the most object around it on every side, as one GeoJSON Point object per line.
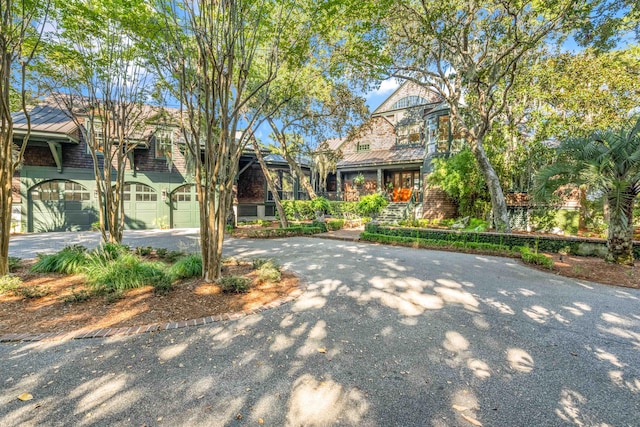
{"type": "Point", "coordinates": [183, 194]}
{"type": "Point", "coordinates": [409, 135]}
{"type": "Point", "coordinates": [95, 135]}
{"type": "Point", "coordinates": [409, 101]}
{"type": "Point", "coordinates": [46, 191]}
{"type": "Point", "coordinates": [144, 193]}
{"type": "Point", "coordinates": [164, 142]}
{"type": "Point", "coordinates": [363, 146]}
{"type": "Point", "coordinates": [75, 192]}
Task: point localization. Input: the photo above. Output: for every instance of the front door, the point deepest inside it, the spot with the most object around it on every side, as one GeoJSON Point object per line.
{"type": "Point", "coordinates": [403, 182]}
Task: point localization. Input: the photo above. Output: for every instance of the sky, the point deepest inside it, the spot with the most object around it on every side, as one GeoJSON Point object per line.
{"type": "Point", "coordinates": [378, 96]}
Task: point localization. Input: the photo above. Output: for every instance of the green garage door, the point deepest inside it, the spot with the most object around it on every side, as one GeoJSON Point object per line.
{"type": "Point", "coordinates": [60, 206]}
{"type": "Point", "coordinates": [140, 206]}
{"type": "Point", "coordinates": [185, 212]}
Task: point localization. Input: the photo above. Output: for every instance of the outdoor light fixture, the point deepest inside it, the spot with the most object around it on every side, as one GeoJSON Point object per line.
{"type": "Point", "coordinates": [164, 194]}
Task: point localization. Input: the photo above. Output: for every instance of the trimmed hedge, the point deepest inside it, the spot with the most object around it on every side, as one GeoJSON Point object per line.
{"type": "Point", "coordinates": [572, 245]}
{"type": "Point", "coordinates": [284, 232]}
{"type": "Point", "coordinates": [525, 253]}
{"type": "Point", "coordinates": [439, 244]}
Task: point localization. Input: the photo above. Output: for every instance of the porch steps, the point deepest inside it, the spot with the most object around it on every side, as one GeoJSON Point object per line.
{"type": "Point", "coordinates": [392, 213]}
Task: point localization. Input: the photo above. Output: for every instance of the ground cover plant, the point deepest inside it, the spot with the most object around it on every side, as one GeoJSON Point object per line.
{"type": "Point", "coordinates": [113, 286]}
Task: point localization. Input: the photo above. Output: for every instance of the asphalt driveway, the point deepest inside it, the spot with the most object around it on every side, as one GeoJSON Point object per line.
{"type": "Point", "coordinates": [383, 336]}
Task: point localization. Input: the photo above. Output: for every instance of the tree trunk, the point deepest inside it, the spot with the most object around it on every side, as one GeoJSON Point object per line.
{"type": "Point", "coordinates": [498, 203]}
{"type": "Point", "coordinates": [5, 219]}
{"type": "Point", "coordinates": [301, 176]}
{"type": "Point", "coordinates": [620, 233]}
{"type": "Point", "coordinates": [271, 185]}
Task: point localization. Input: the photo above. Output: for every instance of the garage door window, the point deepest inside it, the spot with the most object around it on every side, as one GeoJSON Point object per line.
{"type": "Point", "coordinates": [46, 191]}
{"type": "Point", "coordinates": [144, 193]}
{"type": "Point", "coordinates": [75, 192]}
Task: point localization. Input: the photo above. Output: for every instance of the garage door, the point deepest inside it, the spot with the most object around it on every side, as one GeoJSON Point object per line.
{"type": "Point", "coordinates": [60, 205]}
{"type": "Point", "coordinates": [140, 206]}
{"type": "Point", "coordinates": [185, 212]}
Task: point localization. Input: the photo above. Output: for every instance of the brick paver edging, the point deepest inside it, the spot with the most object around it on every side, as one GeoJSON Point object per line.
{"type": "Point", "coordinates": [111, 332]}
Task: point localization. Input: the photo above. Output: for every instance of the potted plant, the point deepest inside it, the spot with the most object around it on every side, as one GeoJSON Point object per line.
{"type": "Point", "coordinates": [358, 180]}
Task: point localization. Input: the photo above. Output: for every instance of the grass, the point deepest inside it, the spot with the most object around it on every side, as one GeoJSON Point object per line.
{"type": "Point", "coordinates": [126, 272]}
{"type": "Point", "coordinates": [69, 260]}
{"type": "Point", "coordinates": [186, 267]}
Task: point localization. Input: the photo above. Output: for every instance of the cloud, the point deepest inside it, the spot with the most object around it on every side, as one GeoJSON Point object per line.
{"type": "Point", "coordinates": [385, 88]}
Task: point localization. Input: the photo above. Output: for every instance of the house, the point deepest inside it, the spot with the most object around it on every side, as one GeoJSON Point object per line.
{"type": "Point", "coordinates": [55, 188]}
{"type": "Point", "coordinates": [393, 152]}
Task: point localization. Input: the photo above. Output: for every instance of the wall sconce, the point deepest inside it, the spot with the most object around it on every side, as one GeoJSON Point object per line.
{"type": "Point", "coordinates": [95, 193]}
{"type": "Point", "coordinates": [163, 194]}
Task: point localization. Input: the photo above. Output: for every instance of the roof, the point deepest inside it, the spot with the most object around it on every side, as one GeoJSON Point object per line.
{"type": "Point", "coordinates": [277, 158]}
{"type": "Point", "coordinates": [370, 158]}
{"type": "Point", "coordinates": [335, 143]}
{"type": "Point", "coordinates": [46, 118]}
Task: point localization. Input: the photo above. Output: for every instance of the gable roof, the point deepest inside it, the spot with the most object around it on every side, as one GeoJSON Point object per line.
{"type": "Point", "coordinates": [45, 118]}
{"type": "Point", "coordinates": [410, 89]}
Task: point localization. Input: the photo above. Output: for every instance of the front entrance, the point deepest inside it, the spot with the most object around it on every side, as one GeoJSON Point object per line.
{"type": "Point", "coordinates": [403, 182]}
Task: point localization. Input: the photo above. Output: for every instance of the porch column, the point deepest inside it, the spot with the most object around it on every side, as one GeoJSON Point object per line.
{"type": "Point", "coordinates": [422, 186]}
{"type": "Point", "coordinates": [379, 188]}
{"type": "Point", "coordinates": [338, 185]}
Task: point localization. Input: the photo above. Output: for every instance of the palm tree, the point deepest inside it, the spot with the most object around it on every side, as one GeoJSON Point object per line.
{"type": "Point", "coordinates": [606, 162]}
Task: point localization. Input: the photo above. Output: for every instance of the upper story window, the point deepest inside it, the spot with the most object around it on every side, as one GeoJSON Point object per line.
{"type": "Point", "coordinates": [363, 146]}
{"type": "Point", "coordinates": [95, 135]}
{"type": "Point", "coordinates": [439, 137]}
{"type": "Point", "coordinates": [409, 101]}
{"type": "Point", "coordinates": [164, 142]}
{"type": "Point", "coordinates": [409, 134]}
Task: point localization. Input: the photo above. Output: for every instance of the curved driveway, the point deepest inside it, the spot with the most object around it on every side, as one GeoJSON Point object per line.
{"type": "Point", "coordinates": [383, 336]}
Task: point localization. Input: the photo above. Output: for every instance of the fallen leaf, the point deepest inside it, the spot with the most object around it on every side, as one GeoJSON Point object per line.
{"type": "Point", "coordinates": [322, 350]}
{"type": "Point", "coordinates": [239, 417]}
{"type": "Point", "coordinates": [459, 408]}
{"type": "Point", "coordinates": [25, 396]}
{"type": "Point", "coordinates": [260, 421]}
{"type": "Point", "coordinates": [472, 421]}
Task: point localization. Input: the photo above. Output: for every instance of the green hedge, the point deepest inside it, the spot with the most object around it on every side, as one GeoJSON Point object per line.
{"type": "Point", "coordinates": [570, 245]}
{"type": "Point", "coordinates": [525, 253]}
{"type": "Point", "coordinates": [439, 244]}
{"type": "Point", "coordinates": [303, 209]}
{"type": "Point", "coordinates": [284, 232]}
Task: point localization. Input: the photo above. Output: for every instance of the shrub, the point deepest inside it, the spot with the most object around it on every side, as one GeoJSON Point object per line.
{"type": "Point", "coordinates": [269, 272]}
{"type": "Point", "coordinates": [259, 262]}
{"type": "Point", "coordinates": [335, 224]}
{"type": "Point", "coordinates": [31, 292]}
{"type": "Point", "coordinates": [235, 284]}
{"type": "Point", "coordinates": [81, 296]}
{"type": "Point", "coordinates": [9, 283]}
{"type": "Point", "coordinates": [186, 267]}
{"type": "Point", "coordinates": [478, 225]}
{"type": "Point", "coordinates": [126, 272]}
{"type": "Point", "coordinates": [531, 257]}
{"type": "Point", "coordinates": [70, 260]}
{"type": "Point", "coordinates": [144, 250]}
{"type": "Point", "coordinates": [161, 252]}
{"type": "Point", "coordinates": [340, 208]}
{"type": "Point", "coordinates": [318, 224]}
{"type": "Point", "coordinates": [109, 251]}
{"type": "Point", "coordinates": [172, 256]}
{"type": "Point", "coordinates": [14, 263]}
{"type": "Point", "coordinates": [371, 204]}
{"type": "Point", "coordinates": [320, 204]}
